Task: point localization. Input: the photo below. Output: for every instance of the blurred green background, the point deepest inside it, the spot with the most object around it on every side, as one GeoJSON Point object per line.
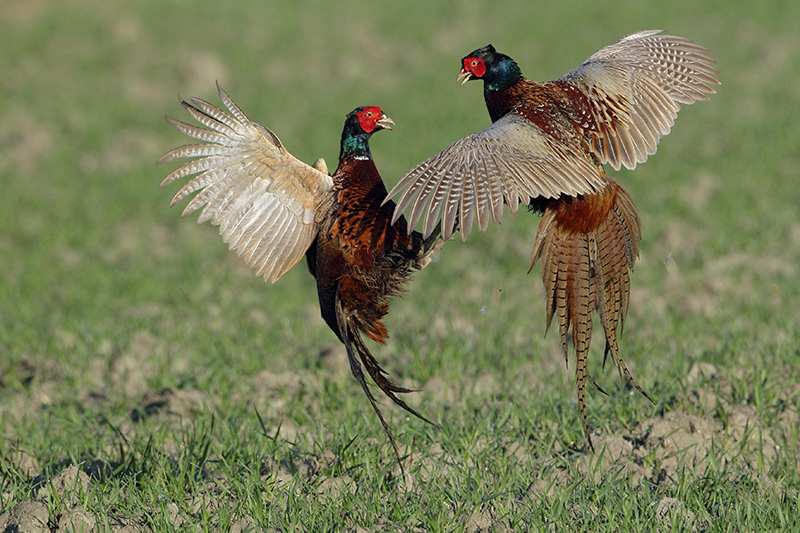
{"type": "Point", "coordinates": [88, 248]}
{"type": "Point", "coordinates": [86, 86]}
{"type": "Point", "coordinates": [93, 264]}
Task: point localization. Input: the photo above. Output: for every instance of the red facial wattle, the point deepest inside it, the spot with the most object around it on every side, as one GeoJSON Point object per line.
{"type": "Point", "coordinates": [475, 66]}
{"type": "Point", "coordinates": [368, 118]}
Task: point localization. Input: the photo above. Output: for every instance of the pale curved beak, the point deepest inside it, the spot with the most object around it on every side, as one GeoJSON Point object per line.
{"type": "Point", "coordinates": [464, 76]}
{"type": "Point", "coordinates": [385, 122]}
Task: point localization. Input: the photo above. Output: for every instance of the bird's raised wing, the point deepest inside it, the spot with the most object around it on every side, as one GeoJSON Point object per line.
{"type": "Point", "coordinates": [268, 204]}
{"type": "Point", "coordinates": [626, 95]}
{"type": "Point", "coordinates": [512, 160]}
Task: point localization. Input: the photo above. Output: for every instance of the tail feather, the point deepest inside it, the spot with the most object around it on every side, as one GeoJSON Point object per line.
{"type": "Point", "coordinates": [587, 248]}
{"type": "Point", "coordinates": [620, 237]}
{"type": "Point", "coordinates": [358, 354]}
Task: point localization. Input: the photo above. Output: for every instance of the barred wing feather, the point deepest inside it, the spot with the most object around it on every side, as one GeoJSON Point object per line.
{"type": "Point", "coordinates": [268, 204]}
{"type": "Point", "coordinates": [512, 160]}
{"type": "Point", "coordinates": [631, 91]}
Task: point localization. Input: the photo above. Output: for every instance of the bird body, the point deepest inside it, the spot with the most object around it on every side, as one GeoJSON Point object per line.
{"type": "Point", "coordinates": [359, 254]}
{"type": "Point", "coordinates": [272, 209]}
{"type": "Point", "coordinates": [546, 148]}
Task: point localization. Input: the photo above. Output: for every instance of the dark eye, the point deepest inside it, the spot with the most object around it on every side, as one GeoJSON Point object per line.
{"type": "Point", "coordinates": [474, 63]}
{"type": "Point", "coordinates": [369, 114]}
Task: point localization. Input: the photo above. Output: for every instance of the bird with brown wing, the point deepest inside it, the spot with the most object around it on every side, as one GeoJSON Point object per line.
{"type": "Point", "coordinates": [546, 148]}
{"type": "Point", "coordinates": [273, 209]}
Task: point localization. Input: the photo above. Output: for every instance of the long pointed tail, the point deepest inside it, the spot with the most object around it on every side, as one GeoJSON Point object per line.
{"type": "Point", "coordinates": [588, 247]}
{"type": "Point", "coordinates": [358, 354]}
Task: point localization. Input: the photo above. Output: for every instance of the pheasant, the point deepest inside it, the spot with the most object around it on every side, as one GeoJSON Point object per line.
{"type": "Point", "coordinates": [273, 209]}
{"type": "Point", "coordinates": [547, 147]}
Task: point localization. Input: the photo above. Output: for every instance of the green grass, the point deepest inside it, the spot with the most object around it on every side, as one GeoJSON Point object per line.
{"type": "Point", "coordinates": [108, 299]}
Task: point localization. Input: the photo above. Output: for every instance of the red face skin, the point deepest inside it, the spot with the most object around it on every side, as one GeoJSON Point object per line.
{"type": "Point", "coordinates": [368, 118]}
{"type": "Point", "coordinates": [475, 66]}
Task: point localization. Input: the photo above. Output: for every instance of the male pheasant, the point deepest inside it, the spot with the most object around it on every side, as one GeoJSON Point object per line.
{"type": "Point", "coordinates": [546, 148]}
{"type": "Point", "coordinates": [272, 209]}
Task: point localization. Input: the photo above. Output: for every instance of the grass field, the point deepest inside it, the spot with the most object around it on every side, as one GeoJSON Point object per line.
{"type": "Point", "coordinates": [148, 381]}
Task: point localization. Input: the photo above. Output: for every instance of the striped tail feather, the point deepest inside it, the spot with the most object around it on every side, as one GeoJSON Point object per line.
{"type": "Point", "coordinates": [358, 354]}
{"type": "Point", "coordinates": [587, 247]}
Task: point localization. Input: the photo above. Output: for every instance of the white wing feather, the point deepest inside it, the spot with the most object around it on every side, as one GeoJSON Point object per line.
{"type": "Point", "coordinates": [512, 160]}
{"type": "Point", "coordinates": [635, 87]}
{"type": "Point", "coordinates": [629, 94]}
{"type": "Point", "coordinates": [268, 205]}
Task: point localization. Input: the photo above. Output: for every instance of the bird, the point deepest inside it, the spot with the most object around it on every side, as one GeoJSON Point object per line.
{"type": "Point", "coordinates": [272, 209]}
{"type": "Point", "coordinates": [547, 148]}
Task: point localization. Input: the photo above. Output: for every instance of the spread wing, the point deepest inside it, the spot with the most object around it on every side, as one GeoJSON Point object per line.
{"type": "Point", "coordinates": [627, 95]}
{"type": "Point", "coordinates": [512, 160]}
{"type": "Point", "coordinates": [268, 204]}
